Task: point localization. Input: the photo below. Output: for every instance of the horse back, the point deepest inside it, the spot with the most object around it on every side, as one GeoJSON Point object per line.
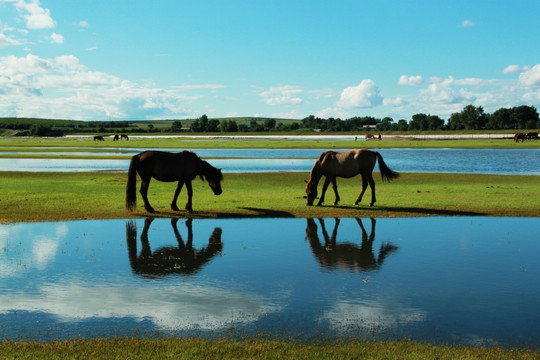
{"type": "Point", "coordinates": [167, 166]}
{"type": "Point", "coordinates": [348, 163]}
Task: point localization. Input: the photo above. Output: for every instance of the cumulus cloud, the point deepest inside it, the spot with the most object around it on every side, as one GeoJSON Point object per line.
{"type": "Point", "coordinates": [410, 80]}
{"type": "Point", "coordinates": [531, 77]}
{"type": "Point", "coordinates": [57, 38]}
{"type": "Point", "coordinates": [79, 93]}
{"type": "Point", "coordinates": [36, 17]}
{"type": "Point", "coordinates": [466, 23]}
{"type": "Point", "coordinates": [282, 95]}
{"type": "Point", "coordinates": [515, 69]}
{"type": "Point", "coordinates": [364, 95]}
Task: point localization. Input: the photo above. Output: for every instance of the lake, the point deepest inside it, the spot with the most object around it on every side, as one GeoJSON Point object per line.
{"type": "Point", "coordinates": [456, 280]}
{"type": "Point", "coordinates": [473, 161]}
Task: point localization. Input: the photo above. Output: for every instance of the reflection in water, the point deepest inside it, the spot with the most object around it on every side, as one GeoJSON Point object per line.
{"type": "Point", "coordinates": [346, 255]}
{"type": "Point", "coordinates": [181, 259]}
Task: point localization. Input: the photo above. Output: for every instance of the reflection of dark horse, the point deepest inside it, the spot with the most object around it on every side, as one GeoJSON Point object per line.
{"type": "Point", "coordinates": [124, 136]}
{"type": "Point", "coordinates": [164, 166]}
{"type": "Point", "coordinates": [99, 138]}
{"type": "Point", "coordinates": [346, 164]}
{"type": "Point", "coordinates": [181, 259]}
{"type": "Point", "coordinates": [346, 255]}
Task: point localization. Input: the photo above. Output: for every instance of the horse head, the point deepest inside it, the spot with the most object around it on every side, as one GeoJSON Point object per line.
{"type": "Point", "coordinates": [311, 192]}
{"type": "Point", "coordinates": [214, 178]}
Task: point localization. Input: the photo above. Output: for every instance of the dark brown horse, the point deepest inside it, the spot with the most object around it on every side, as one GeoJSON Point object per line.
{"type": "Point", "coordinates": [124, 136]}
{"type": "Point", "coordinates": [99, 138]}
{"type": "Point", "coordinates": [346, 164]}
{"type": "Point", "coordinates": [164, 166]}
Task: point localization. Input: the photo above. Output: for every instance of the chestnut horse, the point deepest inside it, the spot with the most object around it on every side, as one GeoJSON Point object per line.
{"type": "Point", "coordinates": [346, 164]}
{"type": "Point", "coordinates": [165, 166]}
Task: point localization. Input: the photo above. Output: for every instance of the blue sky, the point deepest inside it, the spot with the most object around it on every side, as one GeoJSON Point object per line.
{"type": "Point", "coordinates": [137, 59]}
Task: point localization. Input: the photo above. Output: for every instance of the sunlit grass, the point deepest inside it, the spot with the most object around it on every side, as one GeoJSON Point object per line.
{"type": "Point", "coordinates": [247, 349]}
{"type": "Point", "coordinates": [62, 196]}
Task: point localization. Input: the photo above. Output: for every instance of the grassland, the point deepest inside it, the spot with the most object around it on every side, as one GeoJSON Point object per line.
{"type": "Point", "coordinates": [67, 196]}
{"type": "Point", "coordinates": [248, 349]}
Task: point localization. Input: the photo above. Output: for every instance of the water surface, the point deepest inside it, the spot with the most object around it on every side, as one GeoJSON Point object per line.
{"type": "Point", "coordinates": [459, 280]}
{"type": "Point", "coordinates": [471, 161]}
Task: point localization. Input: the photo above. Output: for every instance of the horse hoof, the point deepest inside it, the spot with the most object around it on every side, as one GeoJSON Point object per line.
{"type": "Point", "coordinates": [151, 210]}
{"type": "Point", "coordinates": [175, 208]}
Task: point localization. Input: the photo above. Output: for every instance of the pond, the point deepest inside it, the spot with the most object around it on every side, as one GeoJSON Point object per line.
{"type": "Point", "coordinates": [471, 161]}
{"type": "Point", "coordinates": [457, 280]}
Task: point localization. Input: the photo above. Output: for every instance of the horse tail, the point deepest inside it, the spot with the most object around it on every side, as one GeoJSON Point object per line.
{"type": "Point", "coordinates": [131, 187]}
{"type": "Point", "coordinates": [386, 173]}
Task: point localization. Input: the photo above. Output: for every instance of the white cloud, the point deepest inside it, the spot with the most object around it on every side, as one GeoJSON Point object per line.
{"type": "Point", "coordinates": [530, 77]}
{"type": "Point", "coordinates": [82, 24]}
{"type": "Point", "coordinates": [64, 88]}
{"type": "Point", "coordinates": [410, 80]}
{"type": "Point", "coordinates": [282, 95]}
{"type": "Point", "coordinates": [514, 69]}
{"type": "Point", "coordinates": [466, 23]}
{"type": "Point", "coordinates": [36, 17]}
{"type": "Point", "coordinates": [57, 38]}
{"type": "Point", "coordinates": [364, 95]}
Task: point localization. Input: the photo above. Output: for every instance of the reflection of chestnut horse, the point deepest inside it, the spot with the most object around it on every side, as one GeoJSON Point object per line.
{"type": "Point", "coordinates": [164, 166]}
{"type": "Point", "coordinates": [346, 255]}
{"type": "Point", "coordinates": [346, 164]}
{"type": "Point", "coordinates": [181, 259]}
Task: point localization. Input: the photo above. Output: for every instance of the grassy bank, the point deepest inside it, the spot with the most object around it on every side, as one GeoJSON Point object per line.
{"type": "Point", "coordinates": [25, 144]}
{"type": "Point", "coordinates": [249, 349]}
{"type": "Point", "coordinates": [67, 196]}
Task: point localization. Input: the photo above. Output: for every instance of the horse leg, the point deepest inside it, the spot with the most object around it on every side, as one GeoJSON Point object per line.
{"type": "Point", "coordinates": [176, 193]}
{"type": "Point", "coordinates": [364, 187]}
{"type": "Point", "coordinates": [325, 186]}
{"type": "Point", "coordinates": [372, 186]}
{"type": "Point", "coordinates": [189, 205]}
{"type": "Point", "coordinates": [334, 186]}
{"type": "Point", "coordinates": [145, 183]}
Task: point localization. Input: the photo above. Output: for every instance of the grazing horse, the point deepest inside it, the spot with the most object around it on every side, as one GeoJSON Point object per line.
{"type": "Point", "coordinates": [165, 166]}
{"type": "Point", "coordinates": [124, 136]}
{"type": "Point", "coordinates": [346, 164]}
{"type": "Point", "coordinates": [519, 136]}
{"type": "Point", "coordinates": [99, 138]}
{"type": "Point", "coordinates": [369, 136]}
{"type": "Point", "coordinates": [116, 137]}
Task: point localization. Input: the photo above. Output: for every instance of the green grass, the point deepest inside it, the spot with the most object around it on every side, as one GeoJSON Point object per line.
{"type": "Point", "coordinates": [29, 144]}
{"type": "Point", "coordinates": [247, 349]}
{"type": "Point", "coordinates": [64, 196]}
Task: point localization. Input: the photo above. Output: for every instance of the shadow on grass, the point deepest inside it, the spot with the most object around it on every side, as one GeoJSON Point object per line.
{"type": "Point", "coordinates": [414, 210]}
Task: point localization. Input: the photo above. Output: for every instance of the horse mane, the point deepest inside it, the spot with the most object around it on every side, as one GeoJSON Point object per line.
{"type": "Point", "coordinates": [315, 173]}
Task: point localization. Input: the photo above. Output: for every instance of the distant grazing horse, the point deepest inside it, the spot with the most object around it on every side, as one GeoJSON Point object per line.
{"type": "Point", "coordinates": [124, 136]}
{"type": "Point", "coordinates": [346, 164]}
{"type": "Point", "coordinates": [369, 136]}
{"type": "Point", "coordinates": [531, 135]}
{"type": "Point", "coordinates": [165, 166]}
{"type": "Point", "coordinates": [99, 138]}
{"type": "Point", "coordinates": [520, 136]}
{"type": "Point", "coordinates": [116, 137]}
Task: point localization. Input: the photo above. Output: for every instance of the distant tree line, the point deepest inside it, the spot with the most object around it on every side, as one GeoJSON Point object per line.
{"type": "Point", "coordinates": [470, 118]}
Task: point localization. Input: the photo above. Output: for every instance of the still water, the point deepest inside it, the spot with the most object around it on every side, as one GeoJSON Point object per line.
{"type": "Point", "coordinates": [471, 161]}
{"type": "Point", "coordinates": [459, 280]}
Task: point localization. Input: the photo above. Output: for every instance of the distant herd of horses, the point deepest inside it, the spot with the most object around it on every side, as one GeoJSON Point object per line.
{"type": "Point", "coordinates": [185, 166]}
{"type": "Point", "coordinates": [525, 136]}
{"type": "Point", "coordinates": [115, 138]}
